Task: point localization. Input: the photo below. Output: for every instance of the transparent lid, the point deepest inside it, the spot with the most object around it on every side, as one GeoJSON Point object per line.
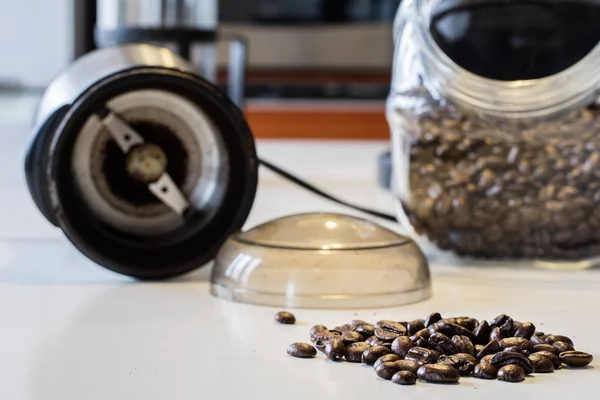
{"type": "Point", "coordinates": [321, 261]}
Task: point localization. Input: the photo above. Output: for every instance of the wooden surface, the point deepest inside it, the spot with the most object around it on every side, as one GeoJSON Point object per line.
{"type": "Point", "coordinates": [317, 120]}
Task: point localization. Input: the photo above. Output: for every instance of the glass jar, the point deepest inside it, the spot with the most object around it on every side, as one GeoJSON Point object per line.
{"type": "Point", "coordinates": [495, 125]}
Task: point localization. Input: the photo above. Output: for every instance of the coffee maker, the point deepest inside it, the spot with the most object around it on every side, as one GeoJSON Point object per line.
{"type": "Point", "coordinates": [188, 27]}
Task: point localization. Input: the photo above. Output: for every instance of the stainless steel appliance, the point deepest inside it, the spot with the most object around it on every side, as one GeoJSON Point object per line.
{"type": "Point", "coordinates": [188, 27]}
{"type": "Point", "coordinates": [315, 34]}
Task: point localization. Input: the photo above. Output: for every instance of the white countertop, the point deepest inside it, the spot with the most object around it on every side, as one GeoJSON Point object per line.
{"type": "Point", "coordinates": [71, 330]}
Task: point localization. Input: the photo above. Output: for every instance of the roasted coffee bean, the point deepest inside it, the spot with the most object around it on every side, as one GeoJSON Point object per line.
{"type": "Point", "coordinates": [442, 343]}
{"type": "Point", "coordinates": [386, 358]}
{"type": "Point", "coordinates": [373, 353]}
{"type": "Point", "coordinates": [451, 320]}
{"type": "Point", "coordinates": [516, 349]}
{"type": "Point", "coordinates": [466, 322]}
{"type": "Point", "coordinates": [301, 350]}
{"type": "Point", "coordinates": [396, 327]}
{"type": "Point", "coordinates": [516, 342]}
{"type": "Point", "coordinates": [499, 321]}
{"type": "Point", "coordinates": [511, 373]}
{"type": "Point", "coordinates": [486, 359]}
{"type": "Point", "coordinates": [432, 319]}
{"type": "Point", "coordinates": [525, 330]}
{"type": "Point", "coordinates": [553, 357]}
{"type": "Point", "coordinates": [538, 333]}
{"type": "Point", "coordinates": [375, 341]}
{"type": "Point", "coordinates": [320, 339]}
{"type": "Point", "coordinates": [286, 318]}
{"type": "Point", "coordinates": [401, 345]}
{"type": "Point", "coordinates": [352, 337]}
{"type": "Point", "coordinates": [507, 358]}
{"type": "Point", "coordinates": [316, 329]}
{"type": "Point", "coordinates": [541, 364]}
{"type": "Point", "coordinates": [495, 334]}
{"type": "Point", "coordinates": [379, 324]}
{"type": "Point", "coordinates": [344, 328]}
{"type": "Point", "coordinates": [482, 333]}
{"type": "Point", "coordinates": [422, 355]}
{"type": "Point", "coordinates": [326, 335]}
{"type": "Point", "coordinates": [463, 362]}
{"type": "Point", "coordinates": [551, 339]}
{"type": "Point", "coordinates": [450, 329]}
{"type": "Point", "coordinates": [563, 346]}
{"type": "Point", "coordinates": [462, 344]}
{"type": "Point", "coordinates": [506, 328]}
{"type": "Point", "coordinates": [408, 365]}
{"type": "Point", "coordinates": [537, 340]}
{"type": "Point", "coordinates": [371, 339]}
{"type": "Point", "coordinates": [545, 347]}
{"type": "Point", "coordinates": [385, 335]}
{"type": "Point", "coordinates": [485, 371]}
{"type": "Point", "coordinates": [438, 373]}
{"type": "Point", "coordinates": [383, 323]}
{"type": "Point", "coordinates": [386, 370]}
{"type": "Point", "coordinates": [491, 348]}
{"type": "Point", "coordinates": [421, 342]}
{"type": "Point", "coordinates": [366, 330]}
{"type": "Point", "coordinates": [432, 329]}
{"type": "Point", "coordinates": [347, 328]}
{"type": "Point", "coordinates": [424, 333]}
{"type": "Point", "coordinates": [355, 351]}
{"type": "Point", "coordinates": [358, 322]}
{"type": "Point", "coordinates": [404, 378]}
{"type": "Point", "coordinates": [576, 359]}
{"type": "Point", "coordinates": [320, 344]}
{"type": "Point", "coordinates": [415, 326]}
{"type": "Point", "coordinates": [335, 350]}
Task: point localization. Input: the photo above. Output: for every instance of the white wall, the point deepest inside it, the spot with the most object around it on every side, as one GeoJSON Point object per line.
{"type": "Point", "coordinates": [36, 39]}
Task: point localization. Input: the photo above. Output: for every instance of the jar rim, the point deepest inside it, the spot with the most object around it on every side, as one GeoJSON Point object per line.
{"type": "Point", "coordinates": [573, 87]}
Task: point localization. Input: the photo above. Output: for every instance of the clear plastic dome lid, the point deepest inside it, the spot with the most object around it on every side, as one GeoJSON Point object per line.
{"type": "Point", "coordinates": [321, 232]}
{"type": "Point", "coordinates": [321, 261]}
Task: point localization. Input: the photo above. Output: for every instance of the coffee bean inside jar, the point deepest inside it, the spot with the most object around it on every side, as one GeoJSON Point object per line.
{"type": "Point", "coordinates": [498, 190]}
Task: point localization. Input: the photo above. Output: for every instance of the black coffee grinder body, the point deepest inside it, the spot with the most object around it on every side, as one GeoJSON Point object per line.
{"type": "Point", "coordinates": [145, 166]}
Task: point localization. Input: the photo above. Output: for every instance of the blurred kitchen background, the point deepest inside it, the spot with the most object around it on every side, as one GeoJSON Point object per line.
{"type": "Point", "coordinates": [315, 68]}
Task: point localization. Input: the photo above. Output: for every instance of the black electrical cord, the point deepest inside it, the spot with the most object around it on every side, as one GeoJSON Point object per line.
{"type": "Point", "coordinates": [319, 192]}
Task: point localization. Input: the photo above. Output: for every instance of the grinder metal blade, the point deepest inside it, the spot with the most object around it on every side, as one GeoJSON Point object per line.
{"type": "Point", "coordinates": [160, 184]}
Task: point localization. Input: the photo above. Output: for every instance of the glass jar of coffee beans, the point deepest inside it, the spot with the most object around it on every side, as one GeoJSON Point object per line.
{"type": "Point", "coordinates": [495, 119]}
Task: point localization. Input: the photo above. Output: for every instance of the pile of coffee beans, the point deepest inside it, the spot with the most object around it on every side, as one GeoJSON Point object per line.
{"type": "Point", "coordinates": [496, 190]}
{"type": "Point", "coordinates": [441, 350]}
